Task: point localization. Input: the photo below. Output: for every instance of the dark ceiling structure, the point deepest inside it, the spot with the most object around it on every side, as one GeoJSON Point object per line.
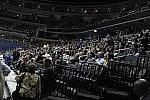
{"type": "Point", "coordinates": [100, 1]}
{"type": "Point", "coordinates": [60, 17]}
{"type": "Point", "coordinates": [83, 2]}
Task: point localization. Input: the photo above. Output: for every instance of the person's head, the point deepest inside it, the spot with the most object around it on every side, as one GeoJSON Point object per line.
{"type": "Point", "coordinates": [92, 54]}
{"type": "Point", "coordinates": [85, 52]}
{"type": "Point", "coordinates": [106, 55]}
{"type": "Point", "coordinates": [110, 56]}
{"type": "Point", "coordinates": [26, 58]}
{"type": "Point", "coordinates": [140, 87]}
{"type": "Point", "coordinates": [100, 55]}
{"type": "Point", "coordinates": [136, 50]}
{"type": "Point", "coordinates": [142, 50]}
{"type": "Point", "coordinates": [31, 68]}
{"type": "Point", "coordinates": [47, 63]}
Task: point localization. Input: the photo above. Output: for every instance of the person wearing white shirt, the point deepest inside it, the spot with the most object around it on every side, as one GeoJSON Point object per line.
{"type": "Point", "coordinates": [100, 60]}
{"type": "Point", "coordinates": [4, 71]}
{"type": "Point", "coordinates": [1, 83]}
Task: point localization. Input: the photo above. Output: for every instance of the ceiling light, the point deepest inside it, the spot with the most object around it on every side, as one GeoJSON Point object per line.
{"type": "Point", "coordinates": [95, 31]}
{"type": "Point", "coordinates": [96, 10]}
{"type": "Point", "coordinates": [85, 11]}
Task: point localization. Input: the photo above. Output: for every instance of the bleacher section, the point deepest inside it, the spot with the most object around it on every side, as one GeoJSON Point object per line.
{"type": "Point", "coordinates": [116, 80]}
{"type": "Point", "coordinates": [8, 45]}
{"type": "Point", "coordinates": [90, 81]}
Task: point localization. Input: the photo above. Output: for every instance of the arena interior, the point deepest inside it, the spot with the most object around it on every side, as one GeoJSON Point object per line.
{"type": "Point", "coordinates": [74, 50]}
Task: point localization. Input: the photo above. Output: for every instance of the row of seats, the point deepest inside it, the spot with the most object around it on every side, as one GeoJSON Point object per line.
{"type": "Point", "coordinates": [99, 80]}
{"type": "Point", "coordinates": [95, 82]}
{"type": "Point", "coordinates": [8, 45]}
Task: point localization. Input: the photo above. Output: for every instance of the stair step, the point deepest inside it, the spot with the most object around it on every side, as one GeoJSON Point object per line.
{"type": "Point", "coordinates": [88, 95]}
{"type": "Point", "coordinates": [117, 92]}
{"type": "Point", "coordinates": [56, 98]}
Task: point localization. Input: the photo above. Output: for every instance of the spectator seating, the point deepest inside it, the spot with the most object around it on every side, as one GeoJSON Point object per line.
{"type": "Point", "coordinates": [88, 79]}
{"type": "Point", "coordinates": [7, 45]}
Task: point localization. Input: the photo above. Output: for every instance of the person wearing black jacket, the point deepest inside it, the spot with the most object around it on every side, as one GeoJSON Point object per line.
{"type": "Point", "coordinates": [16, 55]}
{"type": "Point", "coordinates": [47, 79]}
{"type": "Point", "coordinates": [144, 41]}
{"type": "Point", "coordinates": [141, 90]}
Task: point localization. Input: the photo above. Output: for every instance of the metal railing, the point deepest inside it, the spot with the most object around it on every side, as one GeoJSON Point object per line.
{"type": "Point", "coordinates": [86, 79]}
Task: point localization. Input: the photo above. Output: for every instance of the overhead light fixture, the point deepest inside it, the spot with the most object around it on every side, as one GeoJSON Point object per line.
{"type": "Point", "coordinates": [68, 9]}
{"type": "Point", "coordinates": [96, 10]}
{"type": "Point", "coordinates": [95, 30]}
{"type": "Point", "coordinates": [17, 15]}
{"type": "Point", "coordinates": [39, 6]}
{"type": "Point", "coordinates": [19, 5]}
{"type": "Point", "coordinates": [85, 11]}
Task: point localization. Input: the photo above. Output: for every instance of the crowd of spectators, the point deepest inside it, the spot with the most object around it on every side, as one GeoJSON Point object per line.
{"type": "Point", "coordinates": [41, 57]}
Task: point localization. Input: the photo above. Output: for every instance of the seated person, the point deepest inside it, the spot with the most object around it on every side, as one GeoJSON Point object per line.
{"type": "Point", "coordinates": [100, 59]}
{"type": "Point", "coordinates": [90, 57]}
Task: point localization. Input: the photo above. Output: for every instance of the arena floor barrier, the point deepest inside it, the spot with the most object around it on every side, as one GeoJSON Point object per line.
{"type": "Point", "coordinates": [92, 82]}
{"type": "Point", "coordinates": [79, 81]}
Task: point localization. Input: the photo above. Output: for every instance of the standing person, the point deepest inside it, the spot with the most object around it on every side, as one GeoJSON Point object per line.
{"type": "Point", "coordinates": [30, 85]}
{"type": "Point", "coordinates": [5, 68]}
{"type": "Point", "coordinates": [16, 55]}
{"type": "Point", "coordinates": [8, 58]}
{"type": "Point", "coordinates": [23, 64]}
{"type": "Point", "coordinates": [4, 71]}
{"type": "Point", "coordinates": [1, 82]}
{"type": "Point", "coordinates": [48, 79]}
{"type": "Point", "coordinates": [144, 42]}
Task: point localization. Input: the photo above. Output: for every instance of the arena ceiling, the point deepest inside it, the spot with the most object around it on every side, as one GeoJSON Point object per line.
{"type": "Point", "coordinates": [103, 1]}
{"type": "Point", "coordinates": [90, 2]}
